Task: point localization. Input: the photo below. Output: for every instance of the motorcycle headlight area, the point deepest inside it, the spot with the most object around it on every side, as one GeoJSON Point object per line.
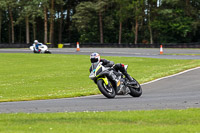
{"type": "Point", "coordinates": [92, 75]}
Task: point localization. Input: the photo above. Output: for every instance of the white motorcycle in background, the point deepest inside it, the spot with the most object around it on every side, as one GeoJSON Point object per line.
{"type": "Point", "coordinates": [41, 49]}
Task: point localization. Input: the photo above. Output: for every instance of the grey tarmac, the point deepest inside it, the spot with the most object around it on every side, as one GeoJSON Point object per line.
{"type": "Point", "coordinates": [126, 52]}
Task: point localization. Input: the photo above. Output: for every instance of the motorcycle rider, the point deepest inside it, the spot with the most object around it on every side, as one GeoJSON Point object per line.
{"type": "Point", "coordinates": [36, 45]}
{"type": "Point", "coordinates": [95, 58]}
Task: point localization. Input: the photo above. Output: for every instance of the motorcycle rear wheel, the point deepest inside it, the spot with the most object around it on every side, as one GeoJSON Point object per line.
{"type": "Point", "coordinates": [136, 90]}
{"type": "Point", "coordinates": [107, 90]}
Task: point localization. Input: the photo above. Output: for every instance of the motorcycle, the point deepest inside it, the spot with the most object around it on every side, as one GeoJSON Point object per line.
{"type": "Point", "coordinates": [112, 83]}
{"type": "Point", "coordinates": [41, 49]}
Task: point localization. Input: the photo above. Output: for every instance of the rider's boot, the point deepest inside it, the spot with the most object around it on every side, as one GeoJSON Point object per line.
{"type": "Point", "coordinates": [131, 80]}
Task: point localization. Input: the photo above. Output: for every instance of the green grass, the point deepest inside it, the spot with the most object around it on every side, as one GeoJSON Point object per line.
{"type": "Point", "coordinates": [154, 121]}
{"type": "Point", "coordinates": [45, 76]}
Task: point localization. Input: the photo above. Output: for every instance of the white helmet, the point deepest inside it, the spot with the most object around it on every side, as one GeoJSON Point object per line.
{"type": "Point", "coordinates": [36, 41]}
{"type": "Point", "coordinates": [94, 58]}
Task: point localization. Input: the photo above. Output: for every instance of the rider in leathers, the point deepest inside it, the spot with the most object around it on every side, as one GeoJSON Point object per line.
{"type": "Point", "coordinates": [36, 45]}
{"type": "Point", "coordinates": [95, 57]}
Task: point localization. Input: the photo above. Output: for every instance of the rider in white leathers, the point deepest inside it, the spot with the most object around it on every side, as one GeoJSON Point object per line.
{"type": "Point", "coordinates": [36, 45]}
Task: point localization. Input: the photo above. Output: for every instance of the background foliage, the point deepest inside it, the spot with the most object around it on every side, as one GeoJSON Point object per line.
{"type": "Point", "coordinates": [104, 21]}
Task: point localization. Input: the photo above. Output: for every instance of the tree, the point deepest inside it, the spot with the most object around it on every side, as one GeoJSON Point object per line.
{"type": "Point", "coordinates": [0, 23]}
{"type": "Point", "coordinates": [45, 5]}
{"type": "Point", "coordinates": [45, 25]}
{"type": "Point", "coordinates": [90, 8]}
{"type": "Point", "coordinates": [52, 18]}
{"type": "Point", "coordinates": [61, 25]}
{"type": "Point", "coordinates": [24, 14]}
{"type": "Point", "coordinates": [173, 22]}
{"type": "Point", "coordinates": [192, 10]}
{"type": "Point", "coordinates": [137, 6]}
{"type": "Point", "coordinates": [85, 13]}
{"type": "Point", "coordinates": [29, 11]}
{"type": "Point", "coordinates": [123, 14]}
{"type": "Point", "coordinates": [2, 8]}
{"type": "Point", "coordinates": [12, 24]}
{"type": "Point", "coordinates": [100, 7]}
{"type": "Point", "coordinates": [10, 5]}
{"type": "Point", "coordinates": [51, 22]}
{"type": "Point", "coordinates": [60, 5]}
{"type": "Point", "coordinates": [151, 8]}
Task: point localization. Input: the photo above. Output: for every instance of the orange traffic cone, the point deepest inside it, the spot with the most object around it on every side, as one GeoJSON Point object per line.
{"type": "Point", "coordinates": [161, 49]}
{"type": "Point", "coordinates": [77, 47]}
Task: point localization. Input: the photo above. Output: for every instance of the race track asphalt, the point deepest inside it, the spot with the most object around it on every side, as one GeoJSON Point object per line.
{"type": "Point", "coordinates": [127, 52]}
{"type": "Point", "coordinates": [179, 91]}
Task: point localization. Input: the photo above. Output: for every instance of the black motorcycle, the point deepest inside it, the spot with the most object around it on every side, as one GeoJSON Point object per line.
{"type": "Point", "coordinates": [112, 83]}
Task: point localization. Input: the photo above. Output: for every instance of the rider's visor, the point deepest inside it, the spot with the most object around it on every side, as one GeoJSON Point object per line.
{"type": "Point", "coordinates": [93, 60]}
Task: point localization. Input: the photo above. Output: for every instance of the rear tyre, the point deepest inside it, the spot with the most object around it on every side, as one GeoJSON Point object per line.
{"type": "Point", "coordinates": [107, 90]}
{"type": "Point", "coordinates": [136, 90]}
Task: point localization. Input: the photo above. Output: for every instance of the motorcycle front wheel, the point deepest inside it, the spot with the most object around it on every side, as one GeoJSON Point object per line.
{"type": "Point", "coordinates": [136, 90]}
{"type": "Point", "coordinates": [107, 90]}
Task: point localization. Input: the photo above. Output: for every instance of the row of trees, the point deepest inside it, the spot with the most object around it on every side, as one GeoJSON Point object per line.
{"type": "Point", "coordinates": [104, 21]}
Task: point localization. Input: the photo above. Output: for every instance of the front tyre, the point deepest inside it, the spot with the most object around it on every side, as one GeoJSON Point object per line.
{"type": "Point", "coordinates": [107, 90]}
{"type": "Point", "coordinates": [136, 90]}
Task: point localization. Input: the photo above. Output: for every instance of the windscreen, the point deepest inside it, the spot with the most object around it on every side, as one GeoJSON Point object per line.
{"type": "Point", "coordinates": [94, 66]}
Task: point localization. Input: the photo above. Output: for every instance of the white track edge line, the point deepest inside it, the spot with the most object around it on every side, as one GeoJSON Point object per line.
{"type": "Point", "coordinates": [171, 75]}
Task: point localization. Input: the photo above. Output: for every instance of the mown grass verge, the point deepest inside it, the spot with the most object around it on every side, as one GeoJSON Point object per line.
{"type": "Point", "coordinates": [47, 76]}
{"type": "Point", "coordinates": [154, 121]}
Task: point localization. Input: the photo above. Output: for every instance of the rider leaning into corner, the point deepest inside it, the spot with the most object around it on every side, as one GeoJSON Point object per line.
{"type": "Point", "coordinates": [95, 58]}
{"type": "Point", "coordinates": [36, 45]}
